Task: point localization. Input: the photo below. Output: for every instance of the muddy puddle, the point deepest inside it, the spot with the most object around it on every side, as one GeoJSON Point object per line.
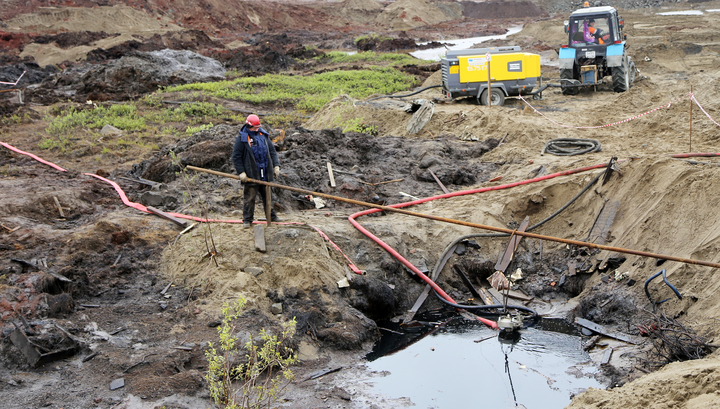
{"type": "Point", "coordinates": [456, 363]}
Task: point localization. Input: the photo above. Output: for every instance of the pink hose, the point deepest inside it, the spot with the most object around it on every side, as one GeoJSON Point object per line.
{"type": "Point", "coordinates": [14, 149]}
{"type": "Point", "coordinates": [142, 208]}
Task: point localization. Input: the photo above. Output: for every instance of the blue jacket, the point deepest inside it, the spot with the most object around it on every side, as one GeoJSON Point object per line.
{"type": "Point", "coordinates": [246, 161]}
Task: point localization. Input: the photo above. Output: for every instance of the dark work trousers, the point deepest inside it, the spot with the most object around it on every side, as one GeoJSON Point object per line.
{"type": "Point", "coordinates": [250, 192]}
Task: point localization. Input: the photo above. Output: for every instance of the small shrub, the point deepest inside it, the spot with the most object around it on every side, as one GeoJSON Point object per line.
{"type": "Point", "coordinates": [261, 384]}
{"type": "Point", "coordinates": [357, 125]}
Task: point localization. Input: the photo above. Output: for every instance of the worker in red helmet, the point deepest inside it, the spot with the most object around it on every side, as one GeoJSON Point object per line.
{"type": "Point", "coordinates": [254, 157]}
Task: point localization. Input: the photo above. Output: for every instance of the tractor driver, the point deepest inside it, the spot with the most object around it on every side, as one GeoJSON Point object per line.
{"type": "Point", "coordinates": [593, 34]}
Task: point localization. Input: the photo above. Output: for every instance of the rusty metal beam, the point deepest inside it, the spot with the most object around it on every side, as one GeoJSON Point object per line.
{"type": "Point", "coordinates": [468, 224]}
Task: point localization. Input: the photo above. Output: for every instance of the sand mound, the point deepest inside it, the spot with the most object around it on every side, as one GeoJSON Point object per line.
{"type": "Point", "coordinates": [115, 19]}
{"type": "Point", "coordinates": [408, 14]}
{"type": "Point", "coordinates": [363, 5]}
{"type": "Point", "coordinates": [691, 385]}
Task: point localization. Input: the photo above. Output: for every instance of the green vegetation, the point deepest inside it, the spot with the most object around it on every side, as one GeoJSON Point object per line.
{"type": "Point", "coordinates": [368, 57]}
{"type": "Point", "coordinates": [138, 124]}
{"type": "Point", "coordinates": [266, 372]}
{"type": "Point", "coordinates": [358, 125]}
{"type": "Point", "coordinates": [309, 93]}
{"type": "Point", "coordinates": [192, 129]}
{"type": "Point", "coordinates": [124, 117]}
{"type": "Point", "coordinates": [154, 120]}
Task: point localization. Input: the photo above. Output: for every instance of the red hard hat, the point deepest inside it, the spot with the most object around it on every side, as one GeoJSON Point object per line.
{"type": "Point", "coordinates": [253, 120]}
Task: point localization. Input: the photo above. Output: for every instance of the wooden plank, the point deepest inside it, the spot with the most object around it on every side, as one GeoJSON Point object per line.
{"type": "Point", "coordinates": [259, 231]}
{"type": "Point", "coordinates": [444, 189]}
{"type": "Point", "coordinates": [513, 294]}
{"type": "Point", "coordinates": [606, 356]}
{"type": "Point", "coordinates": [158, 212]}
{"type": "Point", "coordinates": [520, 296]}
{"type": "Point", "coordinates": [330, 172]}
{"type": "Point", "coordinates": [507, 257]}
{"type": "Point", "coordinates": [495, 294]}
{"type": "Point", "coordinates": [485, 297]}
{"type": "Point", "coordinates": [591, 342]}
{"type": "Point", "coordinates": [601, 227]}
{"type": "Point", "coordinates": [631, 339]}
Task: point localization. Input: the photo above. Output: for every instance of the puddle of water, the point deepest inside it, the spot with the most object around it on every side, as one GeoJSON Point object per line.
{"type": "Point", "coordinates": [448, 368]}
{"type": "Point", "coordinates": [681, 13]}
{"type": "Point", "coordinates": [435, 54]}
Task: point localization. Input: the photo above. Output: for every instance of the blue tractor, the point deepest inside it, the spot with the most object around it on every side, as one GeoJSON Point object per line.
{"type": "Point", "coordinates": [595, 49]}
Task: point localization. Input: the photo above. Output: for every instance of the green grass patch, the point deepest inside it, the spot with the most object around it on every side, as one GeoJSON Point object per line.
{"type": "Point", "coordinates": [308, 93]}
{"type": "Point", "coordinates": [123, 116]}
{"type": "Point", "coordinates": [192, 129]}
{"type": "Point", "coordinates": [368, 57]}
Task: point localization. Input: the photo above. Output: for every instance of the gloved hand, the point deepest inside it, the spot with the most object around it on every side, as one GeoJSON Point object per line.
{"type": "Point", "coordinates": [243, 177]}
{"type": "Point", "coordinates": [276, 171]}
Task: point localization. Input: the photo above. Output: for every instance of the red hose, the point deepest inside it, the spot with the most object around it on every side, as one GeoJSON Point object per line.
{"type": "Point", "coordinates": [693, 155]}
{"type": "Point", "coordinates": [414, 269]}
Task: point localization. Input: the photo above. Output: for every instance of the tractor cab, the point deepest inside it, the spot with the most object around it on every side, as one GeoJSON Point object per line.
{"type": "Point", "coordinates": [593, 26]}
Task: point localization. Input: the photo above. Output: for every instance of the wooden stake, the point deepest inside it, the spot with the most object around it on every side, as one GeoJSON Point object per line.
{"type": "Point", "coordinates": [691, 104]}
{"type": "Point", "coordinates": [268, 204]}
{"type": "Point", "coordinates": [489, 101]}
{"type": "Point", "coordinates": [444, 189]}
{"type": "Point", "coordinates": [332, 177]}
{"type": "Point", "coordinates": [57, 203]}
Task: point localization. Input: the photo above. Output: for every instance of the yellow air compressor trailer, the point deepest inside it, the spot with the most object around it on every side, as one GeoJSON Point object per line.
{"type": "Point", "coordinates": [512, 73]}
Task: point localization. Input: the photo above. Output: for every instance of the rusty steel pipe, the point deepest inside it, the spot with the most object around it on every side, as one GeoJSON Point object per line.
{"type": "Point", "coordinates": [468, 224]}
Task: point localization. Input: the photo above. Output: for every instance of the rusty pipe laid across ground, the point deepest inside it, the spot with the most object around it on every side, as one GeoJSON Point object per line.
{"type": "Point", "coordinates": [468, 224]}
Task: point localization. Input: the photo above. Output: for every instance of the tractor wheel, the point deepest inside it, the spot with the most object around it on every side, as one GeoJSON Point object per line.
{"type": "Point", "coordinates": [496, 97]}
{"type": "Point", "coordinates": [621, 77]}
{"type": "Point", "coordinates": [567, 74]}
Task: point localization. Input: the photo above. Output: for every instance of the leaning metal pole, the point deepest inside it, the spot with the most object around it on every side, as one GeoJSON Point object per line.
{"type": "Point", "coordinates": [463, 223]}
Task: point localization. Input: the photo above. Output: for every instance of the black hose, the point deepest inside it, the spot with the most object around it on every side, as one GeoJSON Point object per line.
{"type": "Point", "coordinates": [571, 146]}
{"type": "Point", "coordinates": [672, 287]}
{"type": "Point", "coordinates": [402, 96]}
{"type": "Point", "coordinates": [539, 90]}
{"type": "Point", "coordinates": [488, 307]}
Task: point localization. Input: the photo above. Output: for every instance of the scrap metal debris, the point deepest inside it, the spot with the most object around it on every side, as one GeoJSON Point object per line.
{"type": "Point", "coordinates": [672, 341]}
